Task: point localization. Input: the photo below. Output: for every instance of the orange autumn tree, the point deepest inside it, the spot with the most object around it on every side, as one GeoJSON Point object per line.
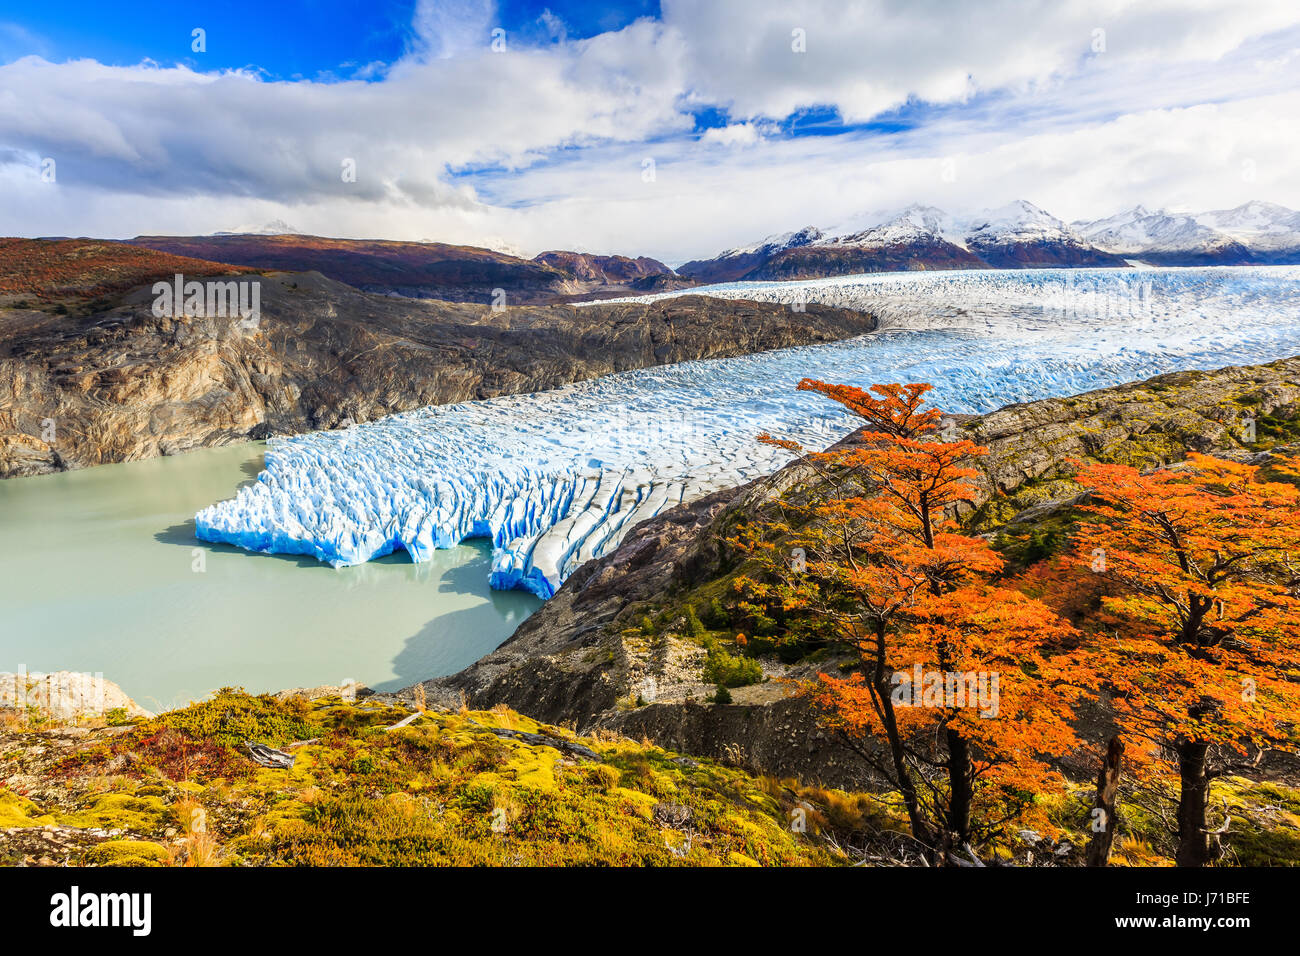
{"type": "Point", "coordinates": [1202, 565]}
{"type": "Point", "coordinates": [952, 701]}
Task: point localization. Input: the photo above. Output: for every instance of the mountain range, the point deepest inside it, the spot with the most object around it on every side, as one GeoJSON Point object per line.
{"type": "Point", "coordinates": [918, 237]}
{"type": "Point", "coordinates": [429, 270]}
{"type": "Point", "coordinates": [1254, 232]}
{"type": "Point", "coordinates": [1016, 236]}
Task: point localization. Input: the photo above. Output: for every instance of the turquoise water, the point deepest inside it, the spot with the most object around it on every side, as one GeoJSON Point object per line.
{"type": "Point", "coordinates": [100, 572]}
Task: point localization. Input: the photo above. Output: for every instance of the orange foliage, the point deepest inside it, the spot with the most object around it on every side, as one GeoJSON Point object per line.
{"type": "Point", "coordinates": [1202, 625]}
{"type": "Point", "coordinates": [1184, 584]}
{"type": "Point", "coordinates": [1207, 561]}
{"type": "Point", "coordinates": [886, 569]}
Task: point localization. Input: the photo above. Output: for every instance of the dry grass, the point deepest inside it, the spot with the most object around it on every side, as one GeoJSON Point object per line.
{"type": "Point", "coordinates": [199, 847]}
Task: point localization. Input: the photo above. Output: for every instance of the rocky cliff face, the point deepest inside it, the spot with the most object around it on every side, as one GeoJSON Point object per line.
{"type": "Point", "coordinates": [123, 384]}
{"type": "Point", "coordinates": [603, 270]}
{"type": "Point", "coordinates": [585, 657]}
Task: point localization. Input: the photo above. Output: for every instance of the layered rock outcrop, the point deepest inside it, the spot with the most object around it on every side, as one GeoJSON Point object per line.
{"type": "Point", "coordinates": [124, 384]}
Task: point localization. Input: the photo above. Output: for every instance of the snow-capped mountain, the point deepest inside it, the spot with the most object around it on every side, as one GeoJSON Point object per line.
{"type": "Point", "coordinates": [919, 237]}
{"type": "Point", "coordinates": [1263, 227]}
{"type": "Point", "coordinates": [1015, 236]}
{"type": "Point", "coordinates": [734, 263]}
{"type": "Point", "coordinates": [915, 239]}
{"type": "Point", "coordinates": [1020, 235]}
{"type": "Point", "coordinates": [778, 243]}
{"type": "Point", "coordinates": [1020, 220]}
{"type": "Point", "coordinates": [1163, 238]}
{"type": "Point", "coordinates": [276, 227]}
{"type": "Point", "coordinates": [916, 222]}
{"type": "Point", "coordinates": [1254, 232]}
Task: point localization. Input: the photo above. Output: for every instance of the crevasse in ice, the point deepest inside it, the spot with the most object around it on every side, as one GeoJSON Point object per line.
{"type": "Point", "coordinates": [559, 477]}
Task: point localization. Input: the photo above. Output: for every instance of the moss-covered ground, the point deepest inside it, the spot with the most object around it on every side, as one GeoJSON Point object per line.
{"type": "Point", "coordinates": [442, 790]}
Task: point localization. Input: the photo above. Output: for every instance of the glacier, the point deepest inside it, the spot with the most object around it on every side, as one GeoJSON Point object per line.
{"type": "Point", "coordinates": [558, 477]}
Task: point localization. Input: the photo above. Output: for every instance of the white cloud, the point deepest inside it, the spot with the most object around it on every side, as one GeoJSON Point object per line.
{"type": "Point", "coordinates": [543, 147]}
{"type": "Point", "coordinates": [737, 134]}
{"type": "Point", "coordinates": [869, 56]}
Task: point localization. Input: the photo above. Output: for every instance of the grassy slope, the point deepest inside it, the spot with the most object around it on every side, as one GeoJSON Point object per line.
{"type": "Point", "coordinates": [442, 790]}
{"type": "Point", "coordinates": [446, 790]}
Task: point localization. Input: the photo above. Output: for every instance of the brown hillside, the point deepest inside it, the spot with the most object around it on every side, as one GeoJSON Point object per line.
{"type": "Point", "coordinates": [83, 269]}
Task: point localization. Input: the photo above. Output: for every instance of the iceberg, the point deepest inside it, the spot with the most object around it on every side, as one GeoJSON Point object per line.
{"type": "Point", "coordinates": [559, 477]}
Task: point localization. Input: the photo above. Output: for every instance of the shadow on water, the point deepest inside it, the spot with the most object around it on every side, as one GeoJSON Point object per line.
{"type": "Point", "coordinates": [252, 468]}
{"type": "Point", "coordinates": [451, 642]}
{"type": "Point", "coordinates": [470, 577]}
{"type": "Point", "coordinates": [446, 642]}
{"type": "Point", "coordinates": [182, 535]}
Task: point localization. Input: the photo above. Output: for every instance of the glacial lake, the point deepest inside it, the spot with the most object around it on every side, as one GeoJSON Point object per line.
{"type": "Point", "coordinates": [98, 573]}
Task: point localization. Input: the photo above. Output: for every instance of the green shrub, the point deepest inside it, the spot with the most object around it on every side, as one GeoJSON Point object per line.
{"type": "Point", "coordinates": [694, 626]}
{"type": "Point", "coordinates": [603, 777]}
{"type": "Point", "coordinates": [232, 716]}
{"type": "Point", "coordinates": [722, 695]}
{"type": "Point", "coordinates": [363, 763]}
{"type": "Point", "coordinates": [731, 670]}
{"type": "Point", "coordinates": [717, 616]}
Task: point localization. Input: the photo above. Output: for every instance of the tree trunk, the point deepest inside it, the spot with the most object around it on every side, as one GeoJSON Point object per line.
{"type": "Point", "coordinates": [921, 830]}
{"type": "Point", "coordinates": [1194, 793]}
{"type": "Point", "coordinates": [960, 795]}
{"type": "Point", "coordinates": [898, 755]}
{"type": "Point", "coordinates": [1107, 792]}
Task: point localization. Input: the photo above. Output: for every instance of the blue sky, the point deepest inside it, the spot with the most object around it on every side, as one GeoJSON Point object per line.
{"type": "Point", "coordinates": [289, 39]}
{"type": "Point", "coordinates": [673, 128]}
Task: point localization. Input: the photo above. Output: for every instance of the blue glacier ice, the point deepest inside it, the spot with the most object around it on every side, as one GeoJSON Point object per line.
{"type": "Point", "coordinates": [559, 477]}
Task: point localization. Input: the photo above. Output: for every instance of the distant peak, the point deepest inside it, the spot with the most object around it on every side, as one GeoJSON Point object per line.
{"type": "Point", "coordinates": [276, 227]}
